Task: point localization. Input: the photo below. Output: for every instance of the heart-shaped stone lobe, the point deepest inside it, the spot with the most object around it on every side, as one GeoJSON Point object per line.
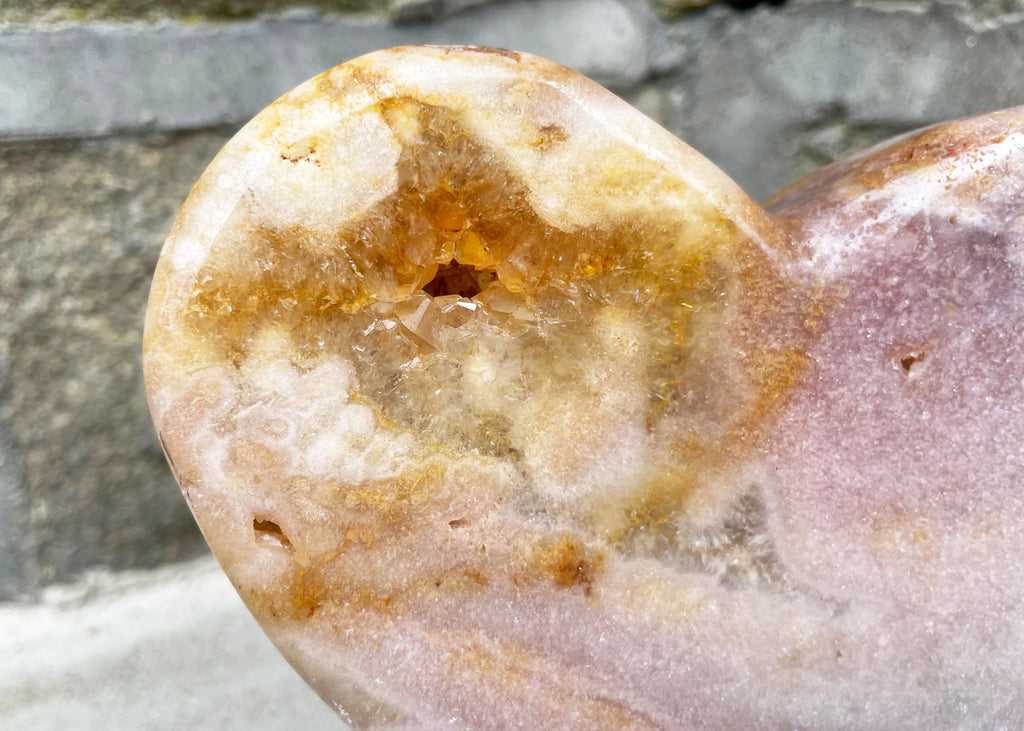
{"type": "Point", "coordinates": [905, 447]}
{"type": "Point", "coordinates": [447, 328]}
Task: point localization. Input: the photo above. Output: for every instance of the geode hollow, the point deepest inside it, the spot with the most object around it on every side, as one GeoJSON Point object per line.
{"type": "Point", "coordinates": [502, 407]}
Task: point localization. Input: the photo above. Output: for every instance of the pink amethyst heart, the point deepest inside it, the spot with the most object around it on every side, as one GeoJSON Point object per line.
{"type": "Point", "coordinates": [502, 407]}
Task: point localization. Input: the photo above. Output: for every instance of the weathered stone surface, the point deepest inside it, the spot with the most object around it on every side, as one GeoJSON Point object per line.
{"type": "Point", "coordinates": [423, 11]}
{"type": "Point", "coordinates": [46, 13]}
{"type": "Point", "coordinates": [772, 94]}
{"type": "Point", "coordinates": [502, 407]}
{"type": "Point", "coordinates": [103, 78]}
{"type": "Point", "coordinates": [17, 546]}
{"type": "Point", "coordinates": [80, 229]}
{"type": "Point", "coordinates": [670, 7]}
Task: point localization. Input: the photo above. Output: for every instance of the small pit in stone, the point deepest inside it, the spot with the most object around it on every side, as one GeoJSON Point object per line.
{"type": "Point", "coordinates": [456, 278]}
{"type": "Point", "coordinates": [909, 361]}
{"type": "Point", "coordinates": [269, 533]}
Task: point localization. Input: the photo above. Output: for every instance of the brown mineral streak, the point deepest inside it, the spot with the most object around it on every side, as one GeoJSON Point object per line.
{"type": "Point", "coordinates": [566, 562]}
{"type": "Point", "coordinates": [380, 514]}
{"type": "Point", "coordinates": [521, 673]}
{"type": "Point", "coordinates": [483, 49]}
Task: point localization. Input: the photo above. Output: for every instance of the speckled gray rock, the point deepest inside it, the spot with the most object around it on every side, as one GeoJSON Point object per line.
{"type": "Point", "coordinates": [103, 78]}
{"type": "Point", "coordinates": [47, 13]}
{"type": "Point", "coordinates": [80, 228]}
{"type": "Point", "coordinates": [774, 93]}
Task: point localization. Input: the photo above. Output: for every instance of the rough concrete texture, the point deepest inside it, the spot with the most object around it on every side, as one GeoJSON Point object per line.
{"type": "Point", "coordinates": [43, 13]}
{"type": "Point", "coordinates": [17, 546]}
{"type": "Point", "coordinates": [171, 649]}
{"type": "Point", "coordinates": [81, 225]}
{"type": "Point", "coordinates": [103, 78]}
{"type": "Point", "coordinates": [48, 13]}
{"type": "Point", "coordinates": [425, 11]}
{"type": "Point", "coordinates": [774, 93]}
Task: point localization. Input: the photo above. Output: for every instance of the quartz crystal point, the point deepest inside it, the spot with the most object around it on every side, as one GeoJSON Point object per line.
{"type": "Point", "coordinates": [501, 407]}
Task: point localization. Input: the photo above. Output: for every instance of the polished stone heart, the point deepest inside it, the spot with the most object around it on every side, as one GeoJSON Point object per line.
{"type": "Point", "coordinates": [501, 407]}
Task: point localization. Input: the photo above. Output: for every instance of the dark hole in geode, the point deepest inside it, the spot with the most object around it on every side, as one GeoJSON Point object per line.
{"type": "Point", "coordinates": [907, 362]}
{"type": "Point", "coordinates": [456, 278]}
{"type": "Point", "coordinates": [270, 533]}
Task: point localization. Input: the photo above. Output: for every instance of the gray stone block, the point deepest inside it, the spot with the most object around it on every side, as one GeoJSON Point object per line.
{"type": "Point", "coordinates": [17, 547]}
{"type": "Point", "coordinates": [427, 11]}
{"type": "Point", "coordinates": [773, 93]}
{"type": "Point", "coordinates": [83, 480]}
{"type": "Point", "coordinates": [97, 79]}
{"type": "Point", "coordinates": [48, 13]}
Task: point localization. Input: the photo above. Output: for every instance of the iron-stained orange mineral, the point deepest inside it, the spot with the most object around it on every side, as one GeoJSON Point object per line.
{"type": "Point", "coordinates": [501, 407]}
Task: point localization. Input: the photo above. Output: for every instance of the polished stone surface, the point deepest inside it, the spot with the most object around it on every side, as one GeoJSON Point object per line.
{"type": "Point", "coordinates": [501, 406]}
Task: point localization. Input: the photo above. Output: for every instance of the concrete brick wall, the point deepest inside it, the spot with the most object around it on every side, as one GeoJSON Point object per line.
{"type": "Point", "coordinates": [110, 110]}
